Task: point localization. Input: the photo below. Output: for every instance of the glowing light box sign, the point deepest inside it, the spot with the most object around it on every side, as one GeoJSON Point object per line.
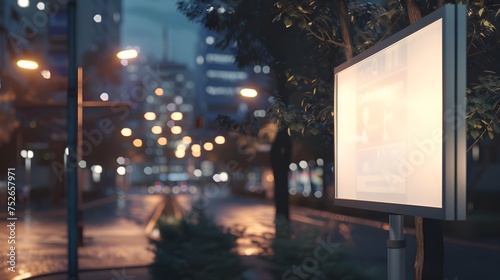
{"type": "Point", "coordinates": [400, 121]}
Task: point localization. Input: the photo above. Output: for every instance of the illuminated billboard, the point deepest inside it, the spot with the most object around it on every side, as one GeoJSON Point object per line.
{"type": "Point", "coordinates": [400, 121]}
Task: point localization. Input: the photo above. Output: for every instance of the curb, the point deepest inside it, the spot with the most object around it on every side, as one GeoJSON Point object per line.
{"type": "Point", "coordinates": [170, 209]}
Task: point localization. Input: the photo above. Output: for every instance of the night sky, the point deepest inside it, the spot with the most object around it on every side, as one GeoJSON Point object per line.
{"type": "Point", "coordinates": [143, 23]}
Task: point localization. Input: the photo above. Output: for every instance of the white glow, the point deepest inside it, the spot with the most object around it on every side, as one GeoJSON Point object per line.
{"type": "Point", "coordinates": [149, 116]}
{"type": "Point", "coordinates": [176, 116]}
{"type": "Point", "coordinates": [266, 69]}
{"type": "Point", "coordinates": [257, 69]}
{"type": "Point", "coordinates": [45, 74]}
{"type": "Point", "coordinates": [162, 141]}
{"type": "Point", "coordinates": [178, 100]}
{"type": "Point", "coordinates": [216, 178]}
{"type": "Point", "coordinates": [127, 54]}
{"type": "Point", "coordinates": [320, 162]}
{"type": "Point", "coordinates": [27, 64]}
{"type": "Point", "coordinates": [156, 129]}
{"type": "Point", "coordinates": [196, 148]}
{"type": "Point", "coordinates": [303, 164]}
{"type": "Point", "coordinates": [220, 58]}
{"type": "Point", "coordinates": [208, 146]}
{"type": "Point", "coordinates": [187, 140]}
{"type": "Point", "coordinates": [224, 176]}
{"type": "Point", "coordinates": [176, 129]}
{"type": "Point", "coordinates": [121, 170]}
{"type": "Point", "coordinates": [148, 170]}
{"type": "Point", "coordinates": [197, 172]}
{"type": "Point", "coordinates": [120, 160]}
{"type": "Point", "coordinates": [389, 151]}
{"type": "Point", "coordinates": [180, 153]}
{"type": "Point", "coordinates": [248, 92]}
{"type": "Point", "coordinates": [126, 131]}
{"type": "Point", "coordinates": [40, 6]}
{"type": "Point", "coordinates": [97, 18]}
{"type": "Point", "coordinates": [104, 96]}
{"type": "Point", "coordinates": [293, 166]}
{"type": "Point", "coordinates": [220, 140]}
{"type": "Point", "coordinates": [200, 60]}
{"type": "Point", "coordinates": [292, 191]}
{"type": "Point", "coordinates": [82, 164]}
{"type": "Point", "coordinates": [210, 40]}
{"type": "Point", "coordinates": [97, 169]}
{"type": "Point", "coordinates": [260, 113]}
{"type": "Point", "coordinates": [318, 194]}
{"type": "Point", "coordinates": [23, 3]}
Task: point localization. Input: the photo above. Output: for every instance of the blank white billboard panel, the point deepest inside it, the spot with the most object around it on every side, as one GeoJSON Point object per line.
{"type": "Point", "coordinates": [390, 118]}
{"type": "Point", "coordinates": [400, 121]}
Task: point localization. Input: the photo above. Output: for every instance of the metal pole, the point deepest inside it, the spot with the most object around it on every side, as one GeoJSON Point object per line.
{"type": "Point", "coordinates": [79, 210]}
{"type": "Point", "coordinates": [396, 248]}
{"type": "Point", "coordinates": [71, 168]}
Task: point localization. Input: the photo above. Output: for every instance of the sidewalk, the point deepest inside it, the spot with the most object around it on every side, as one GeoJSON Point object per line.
{"type": "Point", "coordinates": [112, 254]}
{"type": "Point", "coordinates": [366, 236]}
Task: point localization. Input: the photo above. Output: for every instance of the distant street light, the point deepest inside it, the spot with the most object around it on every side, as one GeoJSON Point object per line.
{"type": "Point", "coordinates": [27, 155]}
{"type": "Point", "coordinates": [208, 146]}
{"type": "Point", "coordinates": [162, 141]}
{"type": "Point", "coordinates": [149, 116]}
{"type": "Point", "coordinates": [248, 92]}
{"type": "Point", "coordinates": [176, 129]}
{"type": "Point", "coordinates": [156, 129]}
{"type": "Point", "coordinates": [127, 54]}
{"type": "Point", "coordinates": [126, 132]}
{"type": "Point", "coordinates": [220, 140]}
{"type": "Point", "coordinates": [27, 64]}
{"type": "Point", "coordinates": [176, 116]}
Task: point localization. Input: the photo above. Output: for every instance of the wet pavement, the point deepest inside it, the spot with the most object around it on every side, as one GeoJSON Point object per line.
{"type": "Point", "coordinates": [109, 224]}
{"type": "Point", "coordinates": [117, 247]}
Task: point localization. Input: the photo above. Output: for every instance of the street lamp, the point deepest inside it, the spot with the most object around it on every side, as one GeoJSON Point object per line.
{"type": "Point", "coordinates": [248, 92]}
{"type": "Point", "coordinates": [27, 64]}
{"type": "Point", "coordinates": [127, 54]}
{"type": "Point", "coordinates": [27, 155]}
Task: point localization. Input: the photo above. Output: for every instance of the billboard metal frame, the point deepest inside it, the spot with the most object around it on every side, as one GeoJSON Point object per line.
{"type": "Point", "coordinates": [453, 125]}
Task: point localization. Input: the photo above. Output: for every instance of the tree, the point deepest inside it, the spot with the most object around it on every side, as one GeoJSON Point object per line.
{"type": "Point", "coordinates": [248, 29]}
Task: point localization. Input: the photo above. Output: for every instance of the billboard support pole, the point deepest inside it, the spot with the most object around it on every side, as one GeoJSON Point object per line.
{"type": "Point", "coordinates": [396, 245]}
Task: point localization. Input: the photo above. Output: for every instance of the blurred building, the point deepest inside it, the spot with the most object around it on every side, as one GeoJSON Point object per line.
{"type": "Point", "coordinates": [38, 31]}
{"type": "Point", "coordinates": [162, 114]}
{"type": "Point", "coordinates": [220, 80]}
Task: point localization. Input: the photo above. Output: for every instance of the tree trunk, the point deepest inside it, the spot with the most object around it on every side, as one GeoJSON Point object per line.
{"type": "Point", "coordinates": [281, 153]}
{"type": "Point", "coordinates": [280, 162]}
{"type": "Point", "coordinates": [433, 249]}
{"type": "Point", "coordinates": [344, 26]}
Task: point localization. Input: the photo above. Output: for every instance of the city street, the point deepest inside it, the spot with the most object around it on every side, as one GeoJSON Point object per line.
{"type": "Point", "coordinates": [114, 237]}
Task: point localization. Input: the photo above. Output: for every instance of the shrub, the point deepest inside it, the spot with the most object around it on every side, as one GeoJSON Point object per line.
{"type": "Point", "coordinates": [195, 248]}
{"type": "Point", "coordinates": [302, 256]}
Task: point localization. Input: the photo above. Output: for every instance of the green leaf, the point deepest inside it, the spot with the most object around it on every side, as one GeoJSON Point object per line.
{"type": "Point", "coordinates": [490, 134]}
{"type": "Point", "coordinates": [481, 11]}
{"type": "Point", "coordinates": [474, 134]}
{"type": "Point", "coordinates": [288, 22]}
